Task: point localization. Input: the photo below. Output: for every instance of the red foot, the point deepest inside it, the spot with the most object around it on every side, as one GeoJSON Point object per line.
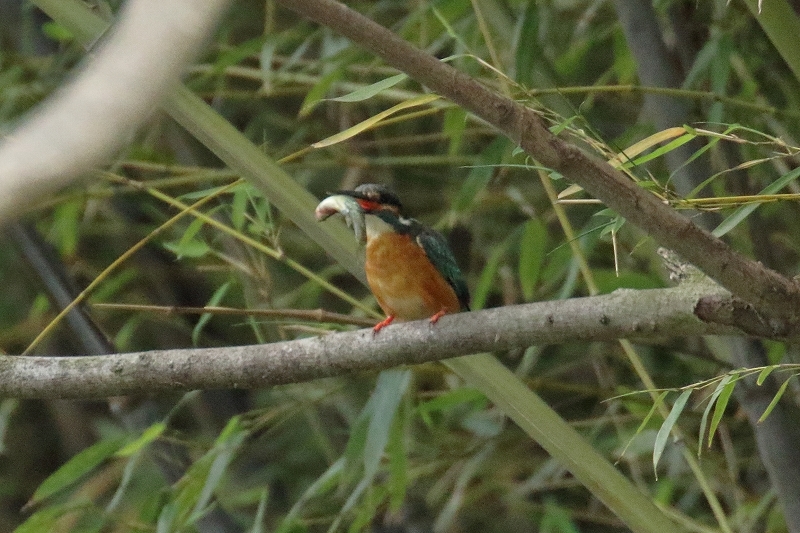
{"type": "Point", "coordinates": [435, 318]}
{"type": "Point", "coordinates": [380, 325]}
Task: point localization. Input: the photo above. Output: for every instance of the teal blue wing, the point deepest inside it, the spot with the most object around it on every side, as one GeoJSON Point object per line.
{"type": "Point", "coordinates": [437, 250]}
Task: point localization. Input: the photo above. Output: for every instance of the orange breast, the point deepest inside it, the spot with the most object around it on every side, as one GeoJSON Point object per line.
{"type": "Point", "coordinates": [404, 281]}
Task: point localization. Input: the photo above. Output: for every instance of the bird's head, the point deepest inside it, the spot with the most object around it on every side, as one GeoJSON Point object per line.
{"type": "Point", "coordinates": [373, 197]}
{"type": "Point", "coordinates": [368, 199]}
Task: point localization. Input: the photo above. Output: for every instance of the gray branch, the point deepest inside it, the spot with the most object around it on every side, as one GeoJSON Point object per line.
{"type": "Point", "coordinates": [653, 314]}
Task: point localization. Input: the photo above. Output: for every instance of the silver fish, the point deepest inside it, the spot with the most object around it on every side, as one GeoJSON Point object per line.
{"type": "Point", "coordinates": [348, 207]}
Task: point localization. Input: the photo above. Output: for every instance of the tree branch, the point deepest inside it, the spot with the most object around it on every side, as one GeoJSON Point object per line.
{"type": "Point", "coordinates": [84, 124]}
{"type": "Point", "coordinates": [640, 314]}
{"type": "Point", "coordinates": [771, 293]}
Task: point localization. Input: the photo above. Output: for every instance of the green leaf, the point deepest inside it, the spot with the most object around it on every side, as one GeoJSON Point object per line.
{"type": "Point", "coordinates": [704, 420]}
{"type": "Point", "coordinates": [239, 207]}
{"type": "Point", "coordinates": [660, 151]}
{"type": "Point", "coordinates": [224, 456]}
{"type": "Point", "coordinates": [148, 435]}
{"type": "Point", "coordinates": [666, 428]}
{"type": "Point", "coordinates": [733, 220]}
{"type": "Point", "coordinates": [398, 462]}
{"type": "Point", "coordinates": [324, 484]}
{"type": "Point", "coordinates": [659, 399]}
{"type": "Point", "coordinates": [258, 521]}
{"type": "Point", "coordinates": [528, 50]}
{"type": "Point", "coordinates": [774, 401]}
{"type": "Point", "coordinates": [486, 280]}
{"type": "Point", "coordinates": [389, 390]}
{"type": "Point", "coordinates": [374, 120]}
{"type": "Point", "coordinates": [77, 467]}
{"type": "Point", "coordinates": [560, 440]}
{"type": "Point", "coordinates": [365, 93]}
{"type": "Point", "coordinates": [480, 174]}
{"type": "Point", "coordinates": [47, 519]}
{"type": "Point", "coordinates": [57, 32]}
{"type": "Point", "coordinates": [719, 408]}
{"type": "Point", "coordinates": [458, 397]}
{"type": "Point", "coordinates": [455, 121]}
{"type": "Point", "coordinates": [556, 519]}
{"type": "Point", "coordinates": [532, 250]}
{"type": "Point", "coordinates": [764, 374]}
{"type": "Point", "coordinates": [216, 298]}
{"type": "Point", "coordinates": [317, 93]}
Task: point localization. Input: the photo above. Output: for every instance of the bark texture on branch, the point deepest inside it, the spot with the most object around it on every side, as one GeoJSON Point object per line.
{"type": "Point", "coordinates": [645, 314]}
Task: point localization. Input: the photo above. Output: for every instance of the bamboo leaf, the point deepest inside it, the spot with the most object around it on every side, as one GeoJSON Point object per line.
{"type": "Point", "coordinates": [733, 220]}
{"type": "Point", "coordinates": [365, 93]}
{"type": "Point", "coordinates": [373, 121]}
{"type": "Point", "coordinates": [704, 420]}
{"type": "Point", "coordinates": [216, 298]}
{"type": "Point", "coordinates": [80, 465]}
{"type": "Point", "coordinates": [561, 441]}
{"type": "Point", "coordinates": [632, 151]}
{"type": "Point", "coordinates": [148, 435]}
{"type": "Point", "coordinates": [532, 249]}
{"type": "Point", "coordinates": [764, 374]}
{"type": "Point", "coordinates": [719, 408]}
{"type": "Point", "coordinates": [774, 401]}
{"type": "Point", "coordinates": [659, 399]}
{"type": "Point", "coordinates": [666, 428]}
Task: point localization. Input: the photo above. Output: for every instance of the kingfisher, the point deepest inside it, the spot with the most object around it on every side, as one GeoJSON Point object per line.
{"type": "Point", "coordinates": [410, 268]}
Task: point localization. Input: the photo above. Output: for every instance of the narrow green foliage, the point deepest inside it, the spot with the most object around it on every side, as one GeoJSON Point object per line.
{"type": "Point", "coordinates": [456, 398]}
{"type": "Point", "coordinates": [532, 250]}
{"type": "Point", "coordinates": [455, 121]}
{"type": "Point", "coordinates": [480, 293]}
{"type": "Point", "coordinates": [258, 521]}
{"type": "Point", "coordinates": [389, 390]}
{"type": "Point", "coordinates": [190, 245]}
{"type": "Point", "coordinates": [660, 151]}
{"type": "Point", "coordinates": [323, 485]}
{"type": "Point", "coordinates": [215, 299]}
{"type": "Point", "coordinates": [318, 91]}
{"type": "Point", "coordinates": [195, 490]}
{"type": "Point", "coordinates": [556, 519]}
{"type": "Point", "coordinates": [46, 519]}
{"type": "Point", "coordinates": [720, 75]}
{"type": "Point", "coordinates": [733, 220]}
{"type": "Point", "coordinates": [77, 467]}
{"type": "Point", "coordinates": [239, 202]}
{"type": "Point", "coordinates": [528, 49]}
{"type": "Point", "coordinates": [398, 462]}
{"type": "Point", "coordinates": [719, 408]}
{"type": "Point", "coordinates": [148, 435]}
{"type": "Point", "coordinates": [365, 93]}
{"type": "Point", "coordinates": [658, 401]}
{"type": "Point", "coordinates": [774, 401]}
{"type": "Point", "coordinates": [666, 428]}
{"type": "Point", "coordinates": [480, 175]}
{"type": "Point", "coordinates": [764, 374]}
{"type": "Point", "coordinates": [704, 420]}
{"type": "Point", "coordinates": [66, 220]}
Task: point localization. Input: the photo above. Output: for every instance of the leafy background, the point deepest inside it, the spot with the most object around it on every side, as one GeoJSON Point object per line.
{"type": "Point", "coordinates": [406, 448]}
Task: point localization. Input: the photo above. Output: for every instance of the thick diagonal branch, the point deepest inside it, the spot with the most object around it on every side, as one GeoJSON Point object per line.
{"type": "Point", "coordinates": [771, 293]}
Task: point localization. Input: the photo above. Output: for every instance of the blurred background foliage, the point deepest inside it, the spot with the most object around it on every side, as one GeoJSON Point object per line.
{"type": "Point", "coordinates": [409, 450]}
